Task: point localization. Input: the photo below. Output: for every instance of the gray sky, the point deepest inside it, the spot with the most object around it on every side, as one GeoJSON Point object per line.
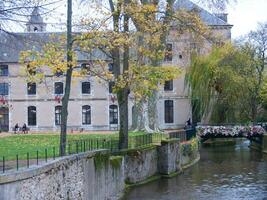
{"type": "Point", "coordinates": [245, 15]}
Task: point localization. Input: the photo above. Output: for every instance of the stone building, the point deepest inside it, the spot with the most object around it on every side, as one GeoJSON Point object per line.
{"type": "Point", "coordinates": [92, 105]}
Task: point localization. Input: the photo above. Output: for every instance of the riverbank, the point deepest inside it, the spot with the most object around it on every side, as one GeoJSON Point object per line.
{"type": "Point", "coordinates": [98, 175]}
{"type": "Point", "coordinates": [223, 172]}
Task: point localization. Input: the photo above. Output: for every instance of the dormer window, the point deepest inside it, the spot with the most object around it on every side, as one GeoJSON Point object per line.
{"type": "Point", "coordinates": [35, 29]}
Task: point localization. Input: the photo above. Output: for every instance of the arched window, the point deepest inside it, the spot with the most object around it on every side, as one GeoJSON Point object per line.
{"type": "Point", "coordinates": [58, 115]}
{"type": "Point", "coordinates": [113, 114]}
{"type": "Point", "coordinates": [86, 88]}
{"type": "Point", "coordinates": [86, 115]}
{"type": "Point", "coordinates": [31, 116]}
{"type": "Point", "coordinates": [168, 106]}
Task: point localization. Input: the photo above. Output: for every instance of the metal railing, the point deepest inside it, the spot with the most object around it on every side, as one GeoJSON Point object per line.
{"type": "Point", "coordinates": [44, 155]}
{"type": "Point", "coordinates": [183, 135]}
{"type": "Point", "coordinates": [40, 156]}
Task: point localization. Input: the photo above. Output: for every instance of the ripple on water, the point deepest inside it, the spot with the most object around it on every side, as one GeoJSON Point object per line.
{"type": "Point", "coordinates": [222, 174]}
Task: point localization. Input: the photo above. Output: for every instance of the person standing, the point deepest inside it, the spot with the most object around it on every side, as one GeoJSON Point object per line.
{"type": "Point", "coordinates": [24, 128]}
{"type": "Point", "coordinates": [16, 128]}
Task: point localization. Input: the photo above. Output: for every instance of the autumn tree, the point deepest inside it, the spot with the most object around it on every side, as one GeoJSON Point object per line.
{"type": "Point", "coordinates": [52, 57]}
{"type": "Point", "coordinates": [166, 19]}
{"type": "Point", "coordinates": [117, 39]}
{"type": "Point", "coordinates": [132, 75]}
{"type": "Point", "coordinates": [117, 44]}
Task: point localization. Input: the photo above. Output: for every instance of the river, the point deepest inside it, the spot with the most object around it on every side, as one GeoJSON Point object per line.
{"type": "Point", "coordinates": [223, 173]}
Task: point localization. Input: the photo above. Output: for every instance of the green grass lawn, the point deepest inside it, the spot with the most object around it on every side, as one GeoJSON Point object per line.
{"type": "Point", "coordinates": [20, 145]}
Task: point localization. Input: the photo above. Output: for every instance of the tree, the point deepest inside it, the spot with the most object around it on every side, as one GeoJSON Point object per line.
{"type": "Point", "coordinates": [182, 21]}
{"type": "Point", "coordinates": [258, 46]}
{"type": "Point", "coordinates": [65, 100]}
{"type": "Point", "coordinates": [116, 43]}
{"type": "Point", "coordinates": [131, 74]}
{"type": "Point", "coordinates": [53, 57]}
{"type": "Point", "coordinates": [225, 85]}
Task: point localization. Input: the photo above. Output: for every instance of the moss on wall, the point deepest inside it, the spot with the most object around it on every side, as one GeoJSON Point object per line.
{"type": "Point", "coordinates": [101, 160]}
{"type": "Point", "coordinates": [115, 161]}
{"type": "Point", "coordinates": [188, 148]}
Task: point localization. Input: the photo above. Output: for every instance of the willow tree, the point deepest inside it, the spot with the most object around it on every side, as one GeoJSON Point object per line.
{"type": "Point", "coordinates": [221, 84]}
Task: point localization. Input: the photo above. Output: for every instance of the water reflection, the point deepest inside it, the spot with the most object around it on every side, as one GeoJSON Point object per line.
{"type": "Point", "coordinates": [223, 173]}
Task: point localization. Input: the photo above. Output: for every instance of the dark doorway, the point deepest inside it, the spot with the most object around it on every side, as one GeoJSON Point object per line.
{"type": "Point", "coordinates": [4, 119]}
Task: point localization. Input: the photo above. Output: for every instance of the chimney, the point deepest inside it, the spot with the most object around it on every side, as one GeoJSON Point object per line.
{"type": "Point", "coordinates": [222, 16]}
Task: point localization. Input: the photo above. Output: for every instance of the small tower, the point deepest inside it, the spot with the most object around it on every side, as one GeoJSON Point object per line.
{"type": "Point", "coordinates": [36, 24]}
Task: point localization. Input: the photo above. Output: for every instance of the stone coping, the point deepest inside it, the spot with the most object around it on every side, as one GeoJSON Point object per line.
{"type": "Point", "coordinates": [35, 170]}
{"type": "Point", "coordinates": [172, 140]}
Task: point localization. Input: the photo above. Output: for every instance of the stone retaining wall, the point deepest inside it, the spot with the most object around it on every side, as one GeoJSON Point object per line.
{"type": "Point", "coordinates": [189, 153]}
{"type": "Point", "coordinates": [92, 175]}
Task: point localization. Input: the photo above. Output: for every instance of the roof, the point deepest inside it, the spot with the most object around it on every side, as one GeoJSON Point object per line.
{"type": "Point", "coordinates": [12, 44]}
{"type": "Point", "coordinates": [207, 17]}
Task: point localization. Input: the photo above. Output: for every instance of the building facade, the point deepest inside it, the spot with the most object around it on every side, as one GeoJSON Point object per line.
{"type": "Point", "coordinates": [92, 105]}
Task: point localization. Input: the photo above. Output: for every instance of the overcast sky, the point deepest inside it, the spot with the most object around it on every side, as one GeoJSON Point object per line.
{"type": "Point", "coordinates": [245, 14]}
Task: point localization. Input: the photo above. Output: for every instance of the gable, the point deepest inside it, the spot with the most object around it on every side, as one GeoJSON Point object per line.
{"type": "Point", "coordinates": [207, 17]}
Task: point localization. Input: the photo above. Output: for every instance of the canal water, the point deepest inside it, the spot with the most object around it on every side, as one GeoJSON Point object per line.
{"type": "Point", "coordinates": [223, 173]}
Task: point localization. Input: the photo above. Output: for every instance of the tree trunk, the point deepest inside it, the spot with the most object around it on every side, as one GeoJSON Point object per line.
{"type": "Point", "coordinates": [65, 100]}
{"type": "Point", "coordinates": [153, 116]}
{"type": "Point", "coordinates": [123, 116]}
{"type": "Point", "coordinates": [153, 112]}
{"type": "Point", "coordinates": [142, 118]}
{"type": "Point", "coordinates": [124, 93]}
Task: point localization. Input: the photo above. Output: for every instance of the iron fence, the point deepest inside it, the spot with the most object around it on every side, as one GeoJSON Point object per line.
{"type": "Point", "coordinates": [183, 135]}
{"type": "Point", "coordinates": [28, 159]}
{"type": "Point", "coordinates": [40, 156]}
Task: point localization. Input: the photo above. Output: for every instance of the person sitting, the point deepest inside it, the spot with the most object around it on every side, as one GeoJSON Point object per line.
{"type": "Point", "coordinates": [16, 128]}
{"type": "Point", "coordinates": [24, 128]}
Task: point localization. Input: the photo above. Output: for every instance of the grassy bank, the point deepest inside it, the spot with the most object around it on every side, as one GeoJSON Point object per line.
{"type": "Point", "coordinates": [12, 145]}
